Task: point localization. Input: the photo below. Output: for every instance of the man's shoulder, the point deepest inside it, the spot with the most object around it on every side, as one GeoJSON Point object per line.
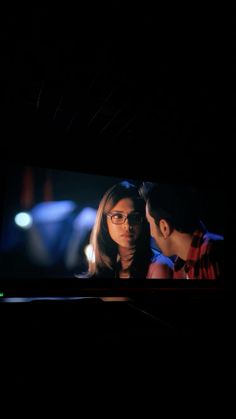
{"type": "Point", "coordinates": [212, 237]}
{"type": "Point", "coordinates": [213, 243]}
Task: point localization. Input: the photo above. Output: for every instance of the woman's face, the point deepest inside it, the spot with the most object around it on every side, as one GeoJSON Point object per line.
{"type": "Point", "coordinates": [124, 223]}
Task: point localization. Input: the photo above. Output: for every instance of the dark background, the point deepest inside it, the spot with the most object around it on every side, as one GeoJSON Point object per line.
{"type": "Point", "coordinates": [127, 90]}
{"type": "Point", "coordinates": [124, 90]}
{"type": "Point", "coordinates": [83, 80]}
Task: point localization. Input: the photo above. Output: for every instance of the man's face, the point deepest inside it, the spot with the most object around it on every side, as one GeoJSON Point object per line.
{"type": "Point", "coordinates": [161, 242]}
{"type": "Point", "coordinates": [155, 233]}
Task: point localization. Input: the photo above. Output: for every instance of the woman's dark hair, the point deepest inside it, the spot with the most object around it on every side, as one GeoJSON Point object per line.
{"type": "Point", "coordinates": [105, 249]}
{"type": "Point", "coordinates": [177, 204]}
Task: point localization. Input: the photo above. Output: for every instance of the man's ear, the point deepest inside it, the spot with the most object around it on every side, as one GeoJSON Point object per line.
{"type": "Point", "coordinates": [165, 228]}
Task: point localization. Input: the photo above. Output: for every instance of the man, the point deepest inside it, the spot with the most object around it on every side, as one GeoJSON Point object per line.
{"type": "Point", "coordinates": [173, 214]}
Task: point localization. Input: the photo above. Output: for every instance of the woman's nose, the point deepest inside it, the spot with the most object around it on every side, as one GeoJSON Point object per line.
{"type": "Point", "coordinates": [127, 224]}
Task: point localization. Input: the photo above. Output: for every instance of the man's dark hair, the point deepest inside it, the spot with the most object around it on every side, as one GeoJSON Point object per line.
{"type": "Point", "coordinates": [177, 204]}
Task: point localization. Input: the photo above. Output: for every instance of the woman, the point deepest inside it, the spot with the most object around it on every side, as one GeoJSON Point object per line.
{"type": "Point", "coordinates": [121, 238]}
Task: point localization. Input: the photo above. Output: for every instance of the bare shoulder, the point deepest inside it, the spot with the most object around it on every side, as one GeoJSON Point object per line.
{"type": "Point", "coordinates": [158, 270]}
{"type": "Point", "coordinates": [160, 259]}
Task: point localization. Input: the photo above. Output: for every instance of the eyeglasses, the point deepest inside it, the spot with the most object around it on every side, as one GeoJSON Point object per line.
{"type": "Point", "coordinates": [119, 218]}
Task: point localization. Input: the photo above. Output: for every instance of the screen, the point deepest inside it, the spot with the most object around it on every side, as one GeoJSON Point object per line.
{"type": "Point", "coordinates": [47, 218]}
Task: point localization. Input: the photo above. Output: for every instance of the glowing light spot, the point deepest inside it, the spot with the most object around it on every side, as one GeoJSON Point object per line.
{"type": "Point", "coordinates": [23, 220]}
{"type": "Point", "coordinates": [89, 252]}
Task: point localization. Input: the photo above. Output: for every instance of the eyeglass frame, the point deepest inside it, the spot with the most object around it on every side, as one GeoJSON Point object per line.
{"type": "Point", "coordinates": [125, 217]}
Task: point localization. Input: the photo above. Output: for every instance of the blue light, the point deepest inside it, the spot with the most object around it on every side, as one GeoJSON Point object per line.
{"type": "Point", "coordinates": [23, 220]}
{"type": "Point", "coordinates": [52, 211]}
{"type": "Point", "coordinates": [85, 219]}
{"type": "Point", "coordinates": [52, 229]}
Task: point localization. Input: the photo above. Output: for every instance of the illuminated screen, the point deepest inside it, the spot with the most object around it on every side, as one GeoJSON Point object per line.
{"type": "Point", "coordinates": [47, 220]}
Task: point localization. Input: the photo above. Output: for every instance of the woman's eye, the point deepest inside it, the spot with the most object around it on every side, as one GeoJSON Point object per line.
{"type": "Point", "coordinates": [118, 216]}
